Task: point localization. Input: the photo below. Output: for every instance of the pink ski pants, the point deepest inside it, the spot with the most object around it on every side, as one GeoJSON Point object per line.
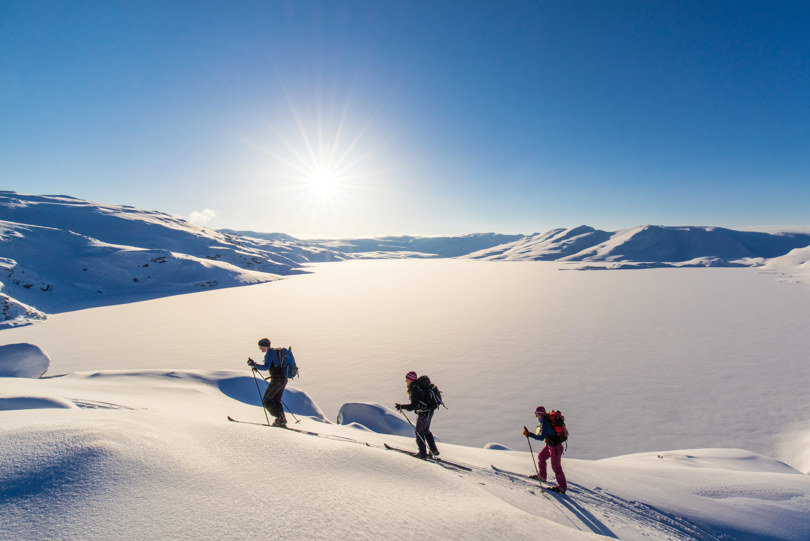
{"type": "Point", "coordinates": [554, 452]}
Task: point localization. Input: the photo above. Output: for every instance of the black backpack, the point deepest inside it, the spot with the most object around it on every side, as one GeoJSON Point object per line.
{"type": "Point", "coordinates": [430, 397]}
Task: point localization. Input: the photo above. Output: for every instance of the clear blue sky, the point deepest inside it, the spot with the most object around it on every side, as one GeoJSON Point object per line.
{"type": "Point", "coordinates": [348, 118]}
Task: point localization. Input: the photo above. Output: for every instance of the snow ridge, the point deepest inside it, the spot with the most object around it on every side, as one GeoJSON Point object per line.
{"type": "Point", "coordinates": [61, 253]}
{"type": "Point", "coordinates": [650, 246]}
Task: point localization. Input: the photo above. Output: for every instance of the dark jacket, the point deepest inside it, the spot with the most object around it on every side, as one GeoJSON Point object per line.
{"type": "Point", "coordinates": [418, 392]}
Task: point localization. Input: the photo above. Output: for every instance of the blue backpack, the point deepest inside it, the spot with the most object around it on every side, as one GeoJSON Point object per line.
{"type": "Point", "coordinates": [288, 367]}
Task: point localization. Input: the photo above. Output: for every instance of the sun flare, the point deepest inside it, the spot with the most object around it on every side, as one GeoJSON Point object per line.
{"type": "Point", "coordinates": [323, 182]}
{"type": "Point", "coordinates": [327, 163]}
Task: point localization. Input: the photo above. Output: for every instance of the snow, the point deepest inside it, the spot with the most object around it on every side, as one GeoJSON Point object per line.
{"type": "Point", "coordinates": [705, 351]}
{"type": "Point", "coordinates": [60, 253]}
{"type": "Point", "coordinates": [373, 417]}
{"type": "Point", "coordinates": [14, 313]}
{"type": "Point", "coordinates": [793, 266]}
{"type": "Point", "coordinates": [23, 361]}
{"type": "Point", "coordinates": [150, 454]}
{"type": "Point", "coordinates": [793, 446]}
{"type": "Point", "coordinates": [649, 246]}
{"type": "Point", "coordinates": [684, 389]}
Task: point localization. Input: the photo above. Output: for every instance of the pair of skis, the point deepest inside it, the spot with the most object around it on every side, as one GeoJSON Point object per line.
{"type": "Point", "coordinates": [301, 431]}
{"type": "Point", "coordinates": [273, 426]}
{"type": "Point", "coordinates": [431, 458]}
{"type": "Point", "coordinates": [543, 485]}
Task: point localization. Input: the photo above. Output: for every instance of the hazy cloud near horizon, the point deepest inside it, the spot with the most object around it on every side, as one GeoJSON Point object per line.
{"type": "Point", "coordinates": [202, 217]}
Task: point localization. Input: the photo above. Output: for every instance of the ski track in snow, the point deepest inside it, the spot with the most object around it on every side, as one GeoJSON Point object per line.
{"type": "Point", "coordinates": [595, 510]}
{"type": "Point", "coordinates": [95, 404]}
{"type": "Point", "coordinates": [588, 510]}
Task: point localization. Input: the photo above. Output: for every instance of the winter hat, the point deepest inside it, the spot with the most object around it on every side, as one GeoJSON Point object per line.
{"type": "Point", "coordinates": [264, 343]}
{"type": "Point", "coordinates": [411, 376]}
{"type": "Point", "coordinates": [540, 409]}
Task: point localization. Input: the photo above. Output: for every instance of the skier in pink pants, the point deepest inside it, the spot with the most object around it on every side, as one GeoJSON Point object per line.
{"type": "Point", "coordinates": [553, 449]}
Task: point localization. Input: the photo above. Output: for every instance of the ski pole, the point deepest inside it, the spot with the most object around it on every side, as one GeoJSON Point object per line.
{"type": "Point", "coordinates": [532, 452]}
{"type": "Point", "coordinates": [260, 397]}
{"type": "Point", "coordinates": [297, 420]}
{"type": "Point", "coordinates": [418, 435]}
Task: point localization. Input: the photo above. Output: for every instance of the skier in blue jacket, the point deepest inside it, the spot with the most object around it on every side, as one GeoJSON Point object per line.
{"type": "Point", "coordinates": [275, 389]}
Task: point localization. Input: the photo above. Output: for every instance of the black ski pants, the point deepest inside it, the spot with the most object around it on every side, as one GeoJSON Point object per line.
{"type": "Point", "coordinates": [272, 397]}
{"type": "Point", "coordinates": [423, 433]}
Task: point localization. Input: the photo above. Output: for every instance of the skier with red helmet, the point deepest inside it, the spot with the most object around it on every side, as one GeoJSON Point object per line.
{"type": "Point", "coordinates": [553, 449]}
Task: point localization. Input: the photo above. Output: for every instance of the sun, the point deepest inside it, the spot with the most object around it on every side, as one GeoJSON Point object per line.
{"type": "Point", "coordinates": [323, 182]}
{"type": "Point", "coordinates": [327, 163]}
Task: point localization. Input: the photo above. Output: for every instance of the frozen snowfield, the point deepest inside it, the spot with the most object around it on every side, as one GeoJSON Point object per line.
{"type": "Point", "coordinates": [684, 391]}
{"type": "Point", "coordinates": [641, 360]}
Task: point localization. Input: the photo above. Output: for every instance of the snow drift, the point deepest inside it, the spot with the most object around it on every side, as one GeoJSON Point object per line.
{"type": "Point", "coordinates": [373, 417]}
{"type": "Point", "coordinates": [23, 361]}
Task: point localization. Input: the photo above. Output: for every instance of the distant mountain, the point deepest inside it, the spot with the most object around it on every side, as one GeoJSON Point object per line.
{"type": "Point", "coordinates": [394, 246]}
{"type": "Point", "coordinates": [659, 244]}
{"type": "Point", "coordinates": [283, 237]}
{"type": "Point", "coordinates": [452, 246]}
{"type": "Point", "coordinates": [649, 245]}
{"type": "Point", "coordinates": [549, 246]}
{"type": "Point", "coordinates": [60, 253]}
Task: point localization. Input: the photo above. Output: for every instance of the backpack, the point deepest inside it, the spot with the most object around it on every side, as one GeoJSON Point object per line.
{"type": "Point", "coordinates": [430, 397]}
{"type": "Point", "coordinates": [558, 423]}
{"type": "Point", "coordinates": [287, 362]}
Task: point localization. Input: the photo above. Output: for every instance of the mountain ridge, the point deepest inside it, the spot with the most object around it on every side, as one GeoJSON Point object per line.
{"type": "Point", "coordinates": [652, 245]}
{"type": "Point", "coordinates": [61, 253]}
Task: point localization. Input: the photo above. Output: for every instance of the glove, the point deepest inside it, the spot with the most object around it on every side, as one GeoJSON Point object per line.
{"type": "Point", "coordinates": [250, 362]}
{"type": "Point", "coordinates": [398, 406]}
{"type": "Point", "coordinates": [525, 431]}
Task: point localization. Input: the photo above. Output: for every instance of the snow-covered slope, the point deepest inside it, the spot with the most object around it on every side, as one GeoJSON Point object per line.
{"type": "Point", "coordinates": [794, 265]}
{"type": "Point", "coordinates": [652, 246]}
{"type": "Point", "coordinates": [150, 455]}
{"type": "Point", "coordinates": [657, 244]}
{"type": "Point", "coordinates": [59, 253]}
{"type": "Point", "coordinates": [549, 246]}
